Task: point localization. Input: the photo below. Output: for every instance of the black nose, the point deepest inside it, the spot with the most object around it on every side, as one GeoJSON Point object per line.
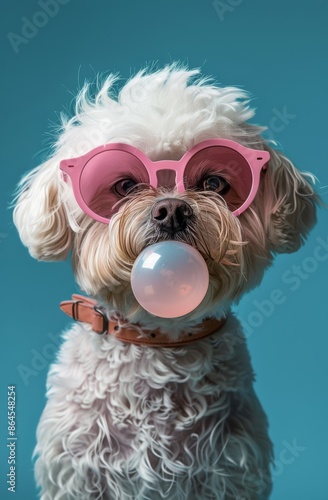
{"type": "Point", "coordinates": [171, 215]}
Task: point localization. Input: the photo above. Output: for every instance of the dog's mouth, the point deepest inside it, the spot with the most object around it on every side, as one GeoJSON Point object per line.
{"type": "Point", "coordinates": [183, 233]}
{"type": "Point", "coordinates": [203, 222]}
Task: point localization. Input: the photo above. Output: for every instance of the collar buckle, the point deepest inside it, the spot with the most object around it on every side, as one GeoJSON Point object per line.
{"type": "Point", "coordinates": [101, 312]}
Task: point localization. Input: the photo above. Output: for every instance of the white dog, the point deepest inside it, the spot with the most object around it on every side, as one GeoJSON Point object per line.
{"type": "Point", "coordinates": [158, 408]}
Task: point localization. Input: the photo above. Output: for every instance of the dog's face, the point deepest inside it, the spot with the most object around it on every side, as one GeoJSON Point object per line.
{"type": "Point", "coordinates": [164, 117]}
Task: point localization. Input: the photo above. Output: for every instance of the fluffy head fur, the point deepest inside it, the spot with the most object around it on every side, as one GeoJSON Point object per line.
{"type": "Point", "coordinates": [129, 422]}
{"type": "Point", "coordinates": [164, 114]}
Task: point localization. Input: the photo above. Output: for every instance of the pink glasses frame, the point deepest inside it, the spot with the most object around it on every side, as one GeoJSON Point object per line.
{"type": "Point", "coordinates": [256, 159]}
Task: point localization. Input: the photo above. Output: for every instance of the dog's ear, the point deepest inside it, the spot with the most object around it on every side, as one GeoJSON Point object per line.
{"type": "Point", "coordinates": [289, 204]}
{"type": "Point", "coordinates": [40, 216]}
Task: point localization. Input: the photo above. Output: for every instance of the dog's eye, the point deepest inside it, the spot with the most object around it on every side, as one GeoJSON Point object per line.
{"type": "Point", "coordinates": [214, 183]}
{"type": "Point", "coordinates": [124, 186]}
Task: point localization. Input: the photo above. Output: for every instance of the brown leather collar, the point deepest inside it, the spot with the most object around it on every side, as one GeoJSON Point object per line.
{"type": "Point", "coordinates": [86, 310]}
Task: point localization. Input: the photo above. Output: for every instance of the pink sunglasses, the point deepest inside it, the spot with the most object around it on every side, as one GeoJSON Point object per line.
{"type": "Point", "coordinates": [103, 176]}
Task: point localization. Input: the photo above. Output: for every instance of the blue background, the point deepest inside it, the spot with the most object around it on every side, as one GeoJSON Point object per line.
{"type": "Point", "coordinates": [275, 49]}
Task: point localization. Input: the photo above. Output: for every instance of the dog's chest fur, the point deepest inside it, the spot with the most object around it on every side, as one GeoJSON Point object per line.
{"type": "Point", "coordinates": [129, 415]}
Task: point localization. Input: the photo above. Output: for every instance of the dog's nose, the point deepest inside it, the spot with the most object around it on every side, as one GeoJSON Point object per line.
{"type": "Point", "coordinates": [171, 215]}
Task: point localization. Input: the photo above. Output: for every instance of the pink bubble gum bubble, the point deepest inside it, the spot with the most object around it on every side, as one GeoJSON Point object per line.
{"type": "Point", "coordinates": [169, 279]}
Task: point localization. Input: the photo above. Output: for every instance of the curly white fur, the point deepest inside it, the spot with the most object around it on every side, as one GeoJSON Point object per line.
{"type": "Point", "coordinates": [131, 422]}
{"type": "Point", "coordinates": [127, 422]}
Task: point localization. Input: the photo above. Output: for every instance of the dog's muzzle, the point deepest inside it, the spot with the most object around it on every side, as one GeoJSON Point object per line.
{"type": "Point", "coordinates": [171, 215]}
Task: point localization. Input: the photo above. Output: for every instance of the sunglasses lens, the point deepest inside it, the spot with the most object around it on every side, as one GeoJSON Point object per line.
{"type": "Point", "coordinates": [104, 177]}
{"type": "Point", "coordinates": [223, 170]}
